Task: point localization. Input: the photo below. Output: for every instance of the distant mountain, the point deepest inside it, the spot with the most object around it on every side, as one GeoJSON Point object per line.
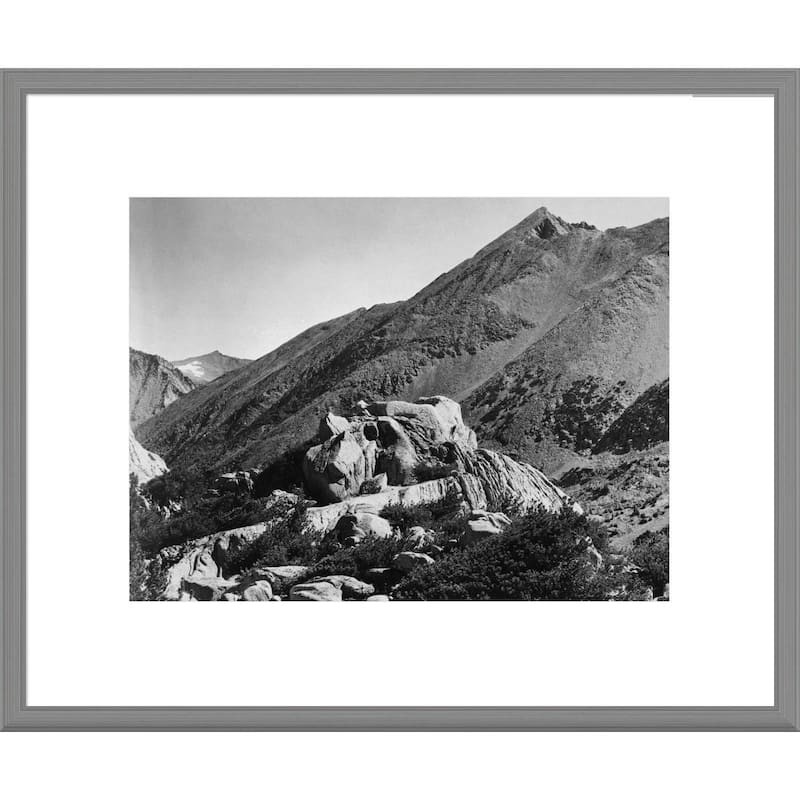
{"type": "Point", "coordinates": [207, 368]}
{"type": "Point", "coordinates": [546, 335]}
{"type": "Point", "coordinates": [153, 385]}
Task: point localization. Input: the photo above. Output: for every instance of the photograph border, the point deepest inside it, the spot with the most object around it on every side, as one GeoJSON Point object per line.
{"type": "Point", "coordinates": [780, 84]}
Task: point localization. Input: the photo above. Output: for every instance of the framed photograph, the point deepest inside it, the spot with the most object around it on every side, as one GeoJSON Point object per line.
{"type": "Point", "coordinates": [400, 345]}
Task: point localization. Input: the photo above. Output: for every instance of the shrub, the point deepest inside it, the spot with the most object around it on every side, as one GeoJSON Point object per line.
{"type": "Point", "coordinates": [285, 542]}
{"type": "Point", "coordinates": [405, 517]}
{"type": "Point", "coordinates": [370, 552]}
{"type": "Point", "coordinates": [542, 556]}
{"type": "Point", "coordinates": [278, 546]}
{"type": "Point", "coordinates": [147, 578]}
{"type": "Point", "coordinates": [178, 484]}
{"type": "Point", "coordinates": [650, 553]}
{"type": "Point", "coordinates": [203, 516]}
{"type": "Point", "coordinates": [432, 515]}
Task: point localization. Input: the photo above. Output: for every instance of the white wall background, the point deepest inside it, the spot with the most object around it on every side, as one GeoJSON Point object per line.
{"type": "Point", "coordinates": [609, 34]}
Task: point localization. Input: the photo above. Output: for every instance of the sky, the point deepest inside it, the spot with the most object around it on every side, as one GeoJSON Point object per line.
{"type": "Point", "coordinates": [244, 275]}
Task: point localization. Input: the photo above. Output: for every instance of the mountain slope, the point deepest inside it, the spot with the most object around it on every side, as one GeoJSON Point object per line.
{"type": "Point", "coordinates": [206, 368]}
{"type": "Point", "coordinates": [153, 385]}
{"type": "Point", "coordinates": [626, 479]}
{"type": "Point", "coordinates": [459, 332]}
{"type": "Point", "coordinates": [563, 392]}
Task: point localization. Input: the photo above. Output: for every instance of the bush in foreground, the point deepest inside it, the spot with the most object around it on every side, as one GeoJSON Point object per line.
{"type": "Point", "coordinates": [285, 542]}
{"type": "Point", "coordinates": [542, 556]}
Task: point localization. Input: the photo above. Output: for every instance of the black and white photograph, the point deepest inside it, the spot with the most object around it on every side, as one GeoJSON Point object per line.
{"type": "Point", "coordinates": [399, 399]}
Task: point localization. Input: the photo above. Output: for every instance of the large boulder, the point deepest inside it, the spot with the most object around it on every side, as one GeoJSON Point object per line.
{"type": "Point", "coordinates": [397, 456]}
{"type": "Point", "coordinates": [357, 526]}
{"type": "Point", "coordinates": [405, 441]}
{"type": "Point", "coordinates": [319, 590]}
{"type": "Point", "coordinates": [335, 469]}
{"type": "Point", "coordinates": [431, 420]}
{"type": "Point", "coordinates": [332, 425]}
{"type": "Point", "coordinates": [390, 438]}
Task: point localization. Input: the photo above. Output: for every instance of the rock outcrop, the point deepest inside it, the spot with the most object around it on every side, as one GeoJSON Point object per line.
{"type": "Point", "coordinates": [209, 556]}
{"type": "Point", "coordinates": [430, 432]}
{"type": "Point", "coordinates": [405, 443]}
{"type": "Point", "coordinates": [141, 462]}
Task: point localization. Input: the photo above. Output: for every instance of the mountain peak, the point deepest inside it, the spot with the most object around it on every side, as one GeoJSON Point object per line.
{"type": "Point", "coordinates": [545, 224]}
{"type": "Point", "coordinates": [206, 368]}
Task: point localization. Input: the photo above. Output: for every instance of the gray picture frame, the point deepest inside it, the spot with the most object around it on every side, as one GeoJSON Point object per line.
{"type": "Point", "coordinates": [783, 714]}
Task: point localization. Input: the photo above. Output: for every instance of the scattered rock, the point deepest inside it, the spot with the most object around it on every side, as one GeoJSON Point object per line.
{"type": "Point", "coordinates": [418, 538]}
{"type": "Point", "coordinates": [317, 590]}
{"type": "Point", "coordinates": [206, 588]}
{"type": "Point", "coordinates": [481, 524]}
{"type": "Point", "coordinates": [260, 591]}
{"type": "Point", "coordinates": [408, 561]}
{"type": "Point", "coordinates": [282, 578]}
{"type": "Point", "coordinates": [351, 588]}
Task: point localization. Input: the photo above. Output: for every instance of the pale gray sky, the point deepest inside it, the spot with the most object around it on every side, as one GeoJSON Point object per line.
{"type": "Point", "coordinates": [243, 275]}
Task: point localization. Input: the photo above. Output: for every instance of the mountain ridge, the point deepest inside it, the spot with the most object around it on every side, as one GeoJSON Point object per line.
{"type": "Point", "coordinates": [452, 337]}
{"type": "Point", "coordinates": [153, 385]}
